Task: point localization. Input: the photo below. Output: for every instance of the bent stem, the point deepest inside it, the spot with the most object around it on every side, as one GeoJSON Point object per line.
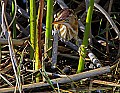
{"type": "Point", "coordinates": [84, 45]}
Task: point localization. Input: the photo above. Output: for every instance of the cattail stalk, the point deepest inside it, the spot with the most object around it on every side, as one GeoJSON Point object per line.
{"type": "Point", "coordinates": [38, 52]}
{"type": "Point", "coordinates": [48, 33]}
{"type": "Point", "coordinates": [32, 27]}
{"type": "Point", "coordinates": [84, 45]}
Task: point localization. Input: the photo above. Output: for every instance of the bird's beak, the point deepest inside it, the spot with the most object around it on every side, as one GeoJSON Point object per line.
{"type": "Point", "coordinates": [59, 22]}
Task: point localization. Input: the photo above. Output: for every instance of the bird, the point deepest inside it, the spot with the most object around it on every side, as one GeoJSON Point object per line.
{"type": "Point", "coordinates": [66, 23]}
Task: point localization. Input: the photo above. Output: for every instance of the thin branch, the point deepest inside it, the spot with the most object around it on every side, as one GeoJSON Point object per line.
{"type": "Point", "coordinates": [106, 83]}
{"type": "Point", "coordinates": [55, 49]}
{"type": "Point", "coordinates": [64, 80]}
{"type": "Point", "coordinates": [62, 4]}
{"type": "Point", "coordinates": [15, 41]}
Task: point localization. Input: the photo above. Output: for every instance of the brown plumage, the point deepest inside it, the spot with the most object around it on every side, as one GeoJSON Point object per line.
{"type": "Point", "coordinates": [67, 24]}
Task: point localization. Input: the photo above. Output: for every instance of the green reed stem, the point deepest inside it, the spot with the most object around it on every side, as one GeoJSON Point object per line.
{"type": "Point", "coordinates": [14, 22]}
{"type": "Point", "coordinates": [48, 33]}
{"type": "Point", "coordinates": [32, 27]}
{"type": "Point", "coordinates": [84, 45]}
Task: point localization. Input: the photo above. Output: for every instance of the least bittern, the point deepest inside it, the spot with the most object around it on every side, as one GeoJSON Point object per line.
{"type": "Point", "coordinates": [67, 24]}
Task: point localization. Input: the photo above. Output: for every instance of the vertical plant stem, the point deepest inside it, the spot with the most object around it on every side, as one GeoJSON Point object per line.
{"type": "Point", "coordinates": [0, 33]}
{"type": "Point", "coordinates": [14, 61]}
{"type": "Point", "coordinates": [14, 22]}
{"type": "Point", "coordinates": [0, 53]}
{"type": "Point", "coordinates": [107, 29]}
{"type": "Point", "coordinates": [55, 49]}
{"type": "Point", "coordinates": [32, 27]}
{"type": "Point", "coordinates": [11, 50]}
{"type": "Point", "coordinates": [84, 45]}
{"type": "Point", "coordinates": [48, 33]}
{"type": "Point", "coordinates": [38, 56]}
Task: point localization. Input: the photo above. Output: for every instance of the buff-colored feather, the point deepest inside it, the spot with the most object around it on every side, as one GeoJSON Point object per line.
{"type": "Point", "coordinates": [67, 24]}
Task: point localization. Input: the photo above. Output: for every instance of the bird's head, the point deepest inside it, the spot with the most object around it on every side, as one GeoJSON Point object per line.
{"type": "Point", "coordinates": [66, 16]}
{"type": "Point", "coordinates": [67, 21]}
